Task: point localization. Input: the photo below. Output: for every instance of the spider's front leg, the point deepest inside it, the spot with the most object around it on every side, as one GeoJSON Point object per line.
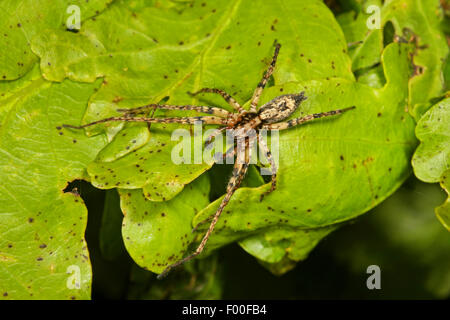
{"type": "Point", "coordinates": [257, 93]}
{"type": "Point", "coordinates": [301, 120]}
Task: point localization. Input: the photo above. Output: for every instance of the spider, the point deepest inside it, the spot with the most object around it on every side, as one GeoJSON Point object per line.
{"type": "Point", "coordinates": [269, 117]}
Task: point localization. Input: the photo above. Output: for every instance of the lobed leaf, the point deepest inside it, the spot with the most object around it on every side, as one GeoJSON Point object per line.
{"type": "Point", "coordinates": [43, 253]}
{"type": "Point", "coordinates": [431, 161]}
{"type": "Point", "coordinates": [432, 157]}
{"type": "Point", "coordinates": [443, 211]}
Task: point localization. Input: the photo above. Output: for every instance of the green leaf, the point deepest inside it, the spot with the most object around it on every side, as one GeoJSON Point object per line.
{"type": "Point", "coordinates": [432, 157]}
{"type": "Point", "coordinates": [330, 171]}
{"type": "Point", "coordinates": [443, 211]}
{"type": "Point", "coordinates": [21, 20]}
{"type": "Point", "coordinates": [13, 91]}
{"type": "Point", "coordinates": [416, 21]}
{"type": "Point", "coordinates": [159, 233]}
{"type": "Point", "coordinates": [140, 70]}
{"type": "Point", "coordinates": [42, 246]}
{"type": "Point", "coordinates": [354, 26]}
{"type": "Point", "coordinates": [431, 161]}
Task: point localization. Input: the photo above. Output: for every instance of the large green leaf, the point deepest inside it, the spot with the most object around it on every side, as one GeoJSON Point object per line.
{"type": "Point", "coordinates": [432, 157]}
{"type": "Point", "coordinates": [354, 25]}
{"type": "Point", "coordinates": [158, 233]}
{"type": "Point", "coordinates": [140, 70]}
{"type": "Point", "coordinates": [329, 171]}
{"type": "Point", "coordinates": [43, 253]}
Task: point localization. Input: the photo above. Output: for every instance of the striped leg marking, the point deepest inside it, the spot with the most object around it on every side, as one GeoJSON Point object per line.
{"type": "Point", "coordinates": [203, 109]}
{"type": "Point", "coordinates": [309, 117]}
{"type": "Point", "coordinates": [182, 120]}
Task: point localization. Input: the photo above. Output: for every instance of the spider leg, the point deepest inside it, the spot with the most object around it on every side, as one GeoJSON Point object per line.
{"type": "Point", "coordinates": [182, 120]}
{"type": "Point", "coordinates": [309, 117]}
{"type": "Point", "coordinates": [239, 171]}
{"type": "Point", "coordinates": [228, 98]}
{"type": "Point", "coordinates": [268, 154]}
{"type": "Point", "coordinates": [263, 82]}
{"type": "Point", "coordinates": [203, 109]}
{"type": "Point", "coordinates": [230, 153]}
{"type": "Point", "coordinates": [213, 135]}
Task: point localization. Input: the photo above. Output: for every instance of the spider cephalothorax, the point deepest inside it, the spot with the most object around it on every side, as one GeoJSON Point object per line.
{"type": "Point", "coordinates": [269, 117]}
{"type": "Point", "coordinates": [280, 108]}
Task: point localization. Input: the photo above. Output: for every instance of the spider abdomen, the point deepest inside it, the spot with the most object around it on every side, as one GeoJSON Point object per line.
{"type": "Point", "coordinates": [280, 108]}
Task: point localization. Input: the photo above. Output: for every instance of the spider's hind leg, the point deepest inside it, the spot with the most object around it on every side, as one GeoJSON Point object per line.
{"type": "Point", "coordinates": [181, 120]}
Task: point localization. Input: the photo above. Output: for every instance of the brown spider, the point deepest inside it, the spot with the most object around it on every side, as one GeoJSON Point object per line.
{"type": "Point", "coordinates": [268, 117]}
